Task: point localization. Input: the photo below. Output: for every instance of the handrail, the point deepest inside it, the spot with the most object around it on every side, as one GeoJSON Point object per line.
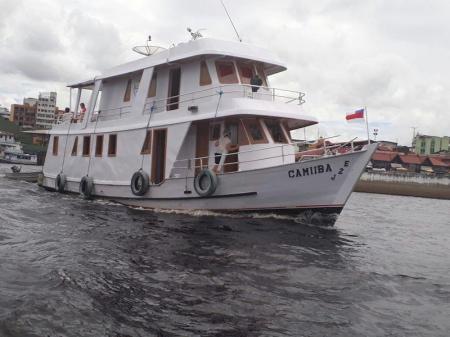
{"type": "Point", "coordinates": [255, 150]}
{"type": "Point", "coordinates": [271, 93]}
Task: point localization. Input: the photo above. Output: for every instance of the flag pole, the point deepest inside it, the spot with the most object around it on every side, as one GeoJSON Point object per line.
{"type": "Point", "coordinates": [367, 125]}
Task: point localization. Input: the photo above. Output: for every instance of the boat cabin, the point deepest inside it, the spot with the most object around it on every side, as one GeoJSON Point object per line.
{"type": "Point", "coordinates": [170, 112]}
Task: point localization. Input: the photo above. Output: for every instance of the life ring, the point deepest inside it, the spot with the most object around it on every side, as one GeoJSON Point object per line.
{"type": "Point", "coordinates": [87, 187]}
{"type": "Point", "coordinates": [205, 183]}
{"type": "Point", "coordinates": [139, 183]}
{"type": "Point", "coordinates": [60, 182]}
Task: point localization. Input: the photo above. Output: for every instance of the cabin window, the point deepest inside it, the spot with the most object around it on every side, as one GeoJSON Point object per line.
{"type": "Point", "coordinates": [276, 131]}
{"type": "Point", "coordinates": [260, 71]}
{"type": "Point", "coordinates": [55, 145]}
{"type": "Point", "coordinates": [214, 132]}
{"type": "Point", "coordinates": [86, 146]}
{"type": "Point", "coordinates": [147, 146]}
{"type": "Point", "coordinates": [205, 78]}
{"type": "Point", "coordinates": [246, 72]}
{"type": "Point", "coordinates": [99, 146]}
{"type": "Point", "coordinates": [255, 131]}
{"type": "Point", "coordinates": [75, 147]}
{"type": "Point", "coordinates": [127, 96]}
{"type": "Point", "coordinates": [152, 87]}
{"type": "Point", "coordinates": [226, 72]}
{"type": "Point", "coordinates": [112, 146]}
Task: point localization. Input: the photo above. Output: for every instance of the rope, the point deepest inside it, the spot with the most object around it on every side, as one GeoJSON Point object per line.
{"type": "Point", "coordinates": [65, 145]}
{"type": "Point", "coordinates": [146, 130]}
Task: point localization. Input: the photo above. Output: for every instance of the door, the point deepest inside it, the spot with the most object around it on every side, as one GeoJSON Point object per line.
{"type": "Point", "coordinates": [159, 155]}
{"type": "Point", "coordinates": [202, 145]}
{"type": "Point", "coordinates": [174, 89]}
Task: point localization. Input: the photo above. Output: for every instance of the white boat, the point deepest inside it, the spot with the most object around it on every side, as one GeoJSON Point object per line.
{"type": "Point", "coordinates": [149, 133]}
{"type": "Point", "coordinates": [11, 151]}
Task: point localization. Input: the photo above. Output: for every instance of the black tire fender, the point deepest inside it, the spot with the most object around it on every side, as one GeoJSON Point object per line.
{"type": "Point", "coordinates": [140, 183]}
{"type": "Point", "coordinates": [87, 187]}
{"type": "Point", "coordinates": [205, 183]}
{"type": "Point", "coordinates": [60, 182]}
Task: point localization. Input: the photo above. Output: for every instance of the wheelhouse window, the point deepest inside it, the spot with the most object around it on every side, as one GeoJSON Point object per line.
{"type": "Point", "coordinates": [205, 78]}
{"type": "Point", "coordinates": [75, 147]}
{"type": "Point", "coordinates": [127, 95]}
{"type": "Point", "coordinates": [152, 87]}
{"type": "Point", "coordinates": [55, 145]}
{"type": "Point", "coordinates": [246, 72]}
{"type": "Point", "coordinates": [99, 146]}
{"type": "Point", "coordinates": [86, 146]}
{"type": "Point", "coordinates": [276, 131]}
{"type": "Point", "coordinates": [260, 71]}
{"type": "Point", "coordinates": [112, 145]}
{"type": "Point", "coordinates": [226, 72]}
{"type": "Point", "coordinates": [255, 131]}
{"type": "Point", "coordinates": [214, 132]}
{"type": "Point", "coordinates": [147, 146]}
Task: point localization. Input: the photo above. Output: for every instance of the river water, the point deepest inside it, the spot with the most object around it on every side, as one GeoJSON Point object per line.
{"type": "Point", "coordinates": [70, 267]}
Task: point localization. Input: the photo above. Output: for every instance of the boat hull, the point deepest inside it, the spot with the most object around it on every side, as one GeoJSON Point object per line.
{"type": "Point", "coordinates": [320, 185]}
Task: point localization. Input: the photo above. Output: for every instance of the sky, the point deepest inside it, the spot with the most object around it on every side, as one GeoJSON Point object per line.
{"type": "Point", "coordinates": [390, 56]}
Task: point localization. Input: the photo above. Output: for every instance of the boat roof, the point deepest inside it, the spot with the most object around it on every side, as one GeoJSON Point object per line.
{"type": "Point", "coordinates": [192, 49]}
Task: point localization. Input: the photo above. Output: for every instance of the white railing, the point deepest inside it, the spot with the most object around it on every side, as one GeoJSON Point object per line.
{"type": "Point", "coordinates": [163, 104]}
{"type": "Point", "coordinates": [323, 151]}
{"type": "Point", "coordinates": [237, 90]}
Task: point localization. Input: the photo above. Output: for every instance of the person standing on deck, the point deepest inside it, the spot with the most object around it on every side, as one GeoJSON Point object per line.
{"type": "Point", "coordinates": [222, 147]}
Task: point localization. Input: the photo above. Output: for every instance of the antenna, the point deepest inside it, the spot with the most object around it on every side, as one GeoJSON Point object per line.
{"type": "Point", "coordinates": [231, 21]}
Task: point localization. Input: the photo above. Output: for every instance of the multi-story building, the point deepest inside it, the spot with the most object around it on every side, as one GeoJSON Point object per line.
{"type": "Point", "coordinates": [4, 112]}
{"type": "Point", "coordinates": [24, 115]}
{"type": "Point", "coordinates": [426, 145]}
{"type": "Point", "coordinates": [46, 109]}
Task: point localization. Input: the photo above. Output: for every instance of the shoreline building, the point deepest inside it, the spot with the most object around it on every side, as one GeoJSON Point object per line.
{"type": "Point", "coordinates": [24, 114]}
{"type": "Point", "coordinates": [423, 144]}
{"type": "Point", "coordinates": [46, 110]}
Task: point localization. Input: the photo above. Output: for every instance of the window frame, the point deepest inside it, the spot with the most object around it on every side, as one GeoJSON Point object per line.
{"type": "Point", "coordinates": [112, 150]}
{"type": "Point", "coordinates": [257, 121]}
{"type": "Point", "coordinates": [220, 78]}
{"type": "Point", "coordinates": [55, 145]}
{"type": "Point", "coordinates": [204, 71]}
{"type": "Point", "coordinates": [240, 64]}
{"type": "Point", "coordinates": [267, 121]}
{"type": "Point", "coordinates": [153, 85]}
{"type": "Point", "coordinates": [86, 140]}
{"type": "Point", "coordinates": [127, 94]}
{"type": "Point", "coordinates": [74, 152]}
{"type": "Point", "coordinates": [147, 145]}
{"type": "Point", "coordinates": [99, 146]}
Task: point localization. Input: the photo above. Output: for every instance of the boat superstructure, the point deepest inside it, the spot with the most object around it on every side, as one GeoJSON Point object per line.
{"type": "Point", "coordinates": [151, 127]}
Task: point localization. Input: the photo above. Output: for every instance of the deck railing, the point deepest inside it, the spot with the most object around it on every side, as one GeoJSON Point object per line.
{"type": "Point", "coordinates": [237, 90]}
{"type": "Point", "coordinates": [324, 151]}
{"type": "Point", "coordinates": [194, 97]}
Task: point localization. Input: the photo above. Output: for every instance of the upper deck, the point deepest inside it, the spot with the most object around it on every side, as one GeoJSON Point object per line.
{"type": "Point", "coordinates": [199, 79]}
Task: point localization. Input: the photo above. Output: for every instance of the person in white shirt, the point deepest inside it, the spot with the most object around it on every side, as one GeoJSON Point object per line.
{"type": "Point", "coordinates": [222, 147]}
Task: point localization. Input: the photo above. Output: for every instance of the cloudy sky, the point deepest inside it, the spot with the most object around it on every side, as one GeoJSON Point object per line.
{"type": "Point", "coordinates": [391, 56]}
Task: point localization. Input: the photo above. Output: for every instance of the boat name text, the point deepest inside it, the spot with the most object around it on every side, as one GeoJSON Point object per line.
{"type": "Point", "coordinates": [310, 171]}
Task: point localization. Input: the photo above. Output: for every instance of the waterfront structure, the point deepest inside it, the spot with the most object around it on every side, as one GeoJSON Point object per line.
{"type": "Point", "coordinates": [46, 110]}
{"type": "Point", "coordinates": [410, 162]}
{"type": "Point", "coordinates": [426, 145]}
{"type": "Point", "coordinates": [186, 129]}
{"type": "Point", "coordinates": [24, 115]}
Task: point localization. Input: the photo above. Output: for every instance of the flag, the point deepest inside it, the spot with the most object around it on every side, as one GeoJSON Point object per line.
{"type": "Point", "coordinates": [358, 114]}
